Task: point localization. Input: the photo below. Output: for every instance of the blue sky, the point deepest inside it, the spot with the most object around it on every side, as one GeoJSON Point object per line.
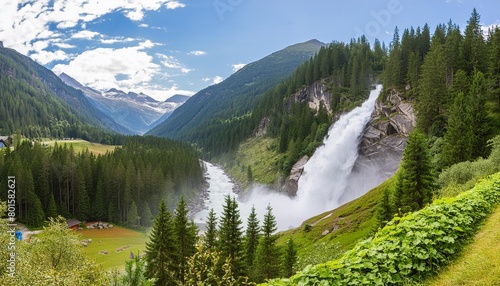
{"type": "Point", "coordinates": [164, 47]}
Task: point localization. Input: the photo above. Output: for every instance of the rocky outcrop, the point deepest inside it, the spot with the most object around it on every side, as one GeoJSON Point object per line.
{"type": "Point", "coordinates": [385, 136]}
{"type": "Point", "coordinates": [262, 129]}
{"type": "Point", "coordinates": [315, 94]}
{"type": "Point", "coordinates": [291, 183]}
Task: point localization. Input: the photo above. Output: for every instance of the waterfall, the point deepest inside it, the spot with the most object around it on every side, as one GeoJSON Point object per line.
{"type": "Point", "coordinates": [327, 173]}
{"type": "Point", "coordinates": [328, 179]}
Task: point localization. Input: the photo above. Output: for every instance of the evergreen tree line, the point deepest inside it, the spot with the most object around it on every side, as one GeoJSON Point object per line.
{"type": "Point", "coordinates": [122, 186]}
{"type": "Point", "coordinates": [224, 255]}
{"type": "Point", "coordinates": [451, 76]}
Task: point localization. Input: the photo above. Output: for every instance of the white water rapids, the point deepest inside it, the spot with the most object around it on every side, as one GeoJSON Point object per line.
{"type": "Point", "coordinates": [328, 180]}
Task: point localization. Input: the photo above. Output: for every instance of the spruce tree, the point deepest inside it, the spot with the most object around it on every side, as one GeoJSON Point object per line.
{"type": "Point", "coordinates": [230, 242]}
{"type": "Point", "coordinates": [267, 257]}
{"type": "Point", "coordinates": [432, 92]}
{"type": "Point", "coordinates": [186, 236]}
{"type": "Point", "coordinates": [289, 258]}
{"type": "Point", "coordinates": [494, 68]}
{"type": "Point", "coordinates": [146, 215]}
{"type": "Point", "coordinates": [459, 137]}
{"type": "Point", "coordinates": [251, 239]}
{"type": "Point", "coordinates": [162, 250]}
{"type": "Point", "coordinates": [132, 215]}
{"type": "Point", "coordinates": [480, 120]}
{"type": "Point", "coordinates": [384, 209]}
{"type": "Point", "coordinates": [52, 209]}
{"type": "Point", "coordinates": [416, 181]}
{"type": "Point", "coordinates": [210, 241]}
{"type": "Point", "coordinates": [472, 50]}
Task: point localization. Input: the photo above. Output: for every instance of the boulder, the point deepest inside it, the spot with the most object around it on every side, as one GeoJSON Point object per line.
{"type": "Point", "coordinates": [292, 182]}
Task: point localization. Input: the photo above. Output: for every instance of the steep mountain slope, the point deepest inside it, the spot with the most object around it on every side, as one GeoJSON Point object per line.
{"type": "Point", "coordinates": [137, 112]}
{"type": "Point", "coordinates": [36, 102]}
{"type": "Point", "coordinates": [234, 97]}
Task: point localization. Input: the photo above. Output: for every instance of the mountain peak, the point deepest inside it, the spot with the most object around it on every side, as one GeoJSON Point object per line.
{"type": "Point", "coordinates": [1, 44]}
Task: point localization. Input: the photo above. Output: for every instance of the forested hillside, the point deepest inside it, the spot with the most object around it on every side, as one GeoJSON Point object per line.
{"type": "Point", "coordinates": [214, 114]}
{"type": "Point", "coordinates": [123, 186]}
{"type": "Point", "coordinates": [454, 80]}
{"type": "Point", "coordinates": [38, 104]}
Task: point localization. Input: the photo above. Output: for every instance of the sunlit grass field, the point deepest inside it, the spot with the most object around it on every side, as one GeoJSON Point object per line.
{"type": "Point", "coordinates": [479, 264]}
{"type": "Point", "coordinates": [111, 240]}
{"type": "Point", "coordinates": [80, 145]}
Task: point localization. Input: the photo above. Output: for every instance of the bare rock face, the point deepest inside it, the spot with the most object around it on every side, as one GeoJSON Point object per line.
{"type": "Point", "coordinates": [262, 129]}
{"type": "Point", "coordinates": [291, 183]}
{"type": "Point", "coordinates": [316, 94]}
{"type": "Point", "coordinates": [385, 136]}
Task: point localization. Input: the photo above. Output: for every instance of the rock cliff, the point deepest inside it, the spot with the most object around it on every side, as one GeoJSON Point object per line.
{"type": "Point", "coordinates": [382, 144]}
{"type": "Point", "coordinates": [384, 139]}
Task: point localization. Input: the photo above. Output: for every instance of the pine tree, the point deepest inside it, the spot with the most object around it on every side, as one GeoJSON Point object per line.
{"type": "Point", "coordinates": [473, 46]}
{"type": "Point", "coordinates": [268, 256]}
{"type": "Point", "coordinates": [230, 242]}
{"type": "Point", "coordinates": [416, 181]}
{"type": "Point", "coordinates": [480, 120]}
{"type": "Point", "coordinates": [432, 92]}
{"type": "Point", "coordinates": [146, 215]}
{"type": "Point", "coordinates": [186, 236]}
{"type": "Point", "coordinates": [289, 259]}
{"type": "Point", "coordinates": [210, 241]}
{"type": "Point", "coordinates": [459, 137]}
{"type": "Point", "coordinates": [251, 239]}
{"type": "Point", "coordinates": [52, 209]}
{"type": "Point", "coordinates": [494, 68]}
{"type": "Point", "coordinates": [132, 215]}
{"type": "Point", "coordinates": [384, 209]}
{"type": "Point", "coordinates": [161, 249]}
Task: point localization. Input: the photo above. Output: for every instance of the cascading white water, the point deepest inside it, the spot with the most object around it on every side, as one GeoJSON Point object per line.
{"type": "Point", "coordinates": [325, 180]}
{"type": "Point", "coordinates": [326, 174]}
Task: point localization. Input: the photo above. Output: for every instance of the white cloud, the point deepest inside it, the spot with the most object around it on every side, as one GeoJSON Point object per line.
{"type": "Point", "coordinates": [486, 29]}
{"type": "Point", "coordinates": [98, 68]}
{"type": "Point", "coordinates": [237, 67]}
{"type": "Point", "coordinates": [173, 63]}
{"type": "Point", "coordinates": [214, 80]}
{"type": "Point", "coordinates": [197, 53]}
{"type": "Point", "coordinates": [217, 79]}
{"type": "Point", "coordinates": [44, 57]}
{"type": "Point", "coordinates": [64, 46]}
{"type": "Point", "coordinates": [110, 41]}
{"type": "Point", "coordinates": [143, 25]}
{"type": "Point", "coordinates": [174, 5]}
{"type": "Point", "coordinates": [22, 22]}
{"type": "Point", "coordinates": [161, 93]}
{"type": "Point", "coordinates": [85, 34]}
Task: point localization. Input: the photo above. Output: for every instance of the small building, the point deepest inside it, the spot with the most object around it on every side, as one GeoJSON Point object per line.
{"type": "Point", "coordinates": [5, 141]}
{"type": "Point", "coordinates": [74, 224]}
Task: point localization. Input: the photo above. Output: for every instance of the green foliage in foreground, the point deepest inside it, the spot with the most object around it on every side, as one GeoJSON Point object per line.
{"type": "Point", "coordinates": [409, 248]}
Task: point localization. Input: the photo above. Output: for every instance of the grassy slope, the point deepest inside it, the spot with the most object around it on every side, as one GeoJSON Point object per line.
{"type": "Point", "coordinates": [346, 225]}
{"type": "Point", "coordinates": [258, 153]}
{"type": "Point", "coordinates": [80, 145]}
{"type": "Point", "coordinates": [111, 240]}
{"type": "Point", "coordinates": [479, 264]}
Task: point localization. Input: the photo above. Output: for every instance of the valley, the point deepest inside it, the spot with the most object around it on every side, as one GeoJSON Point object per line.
{"type": "Point", "coordinates": [356, 162]}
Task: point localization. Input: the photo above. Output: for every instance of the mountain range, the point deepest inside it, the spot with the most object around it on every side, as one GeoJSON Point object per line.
{"type": "Point", "coordinates": [135, 111]}
{"type": "Point", "coordinates": [234, 97]}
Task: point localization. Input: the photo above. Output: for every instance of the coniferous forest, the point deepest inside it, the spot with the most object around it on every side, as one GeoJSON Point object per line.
{"type": "Point", "coordinates": [59, 181]}
{"type": "Point", "coordinates": [450, 75]}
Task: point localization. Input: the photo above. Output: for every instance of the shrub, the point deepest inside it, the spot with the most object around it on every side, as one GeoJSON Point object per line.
{"type": "Point", "coordinates": [409, 248]}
